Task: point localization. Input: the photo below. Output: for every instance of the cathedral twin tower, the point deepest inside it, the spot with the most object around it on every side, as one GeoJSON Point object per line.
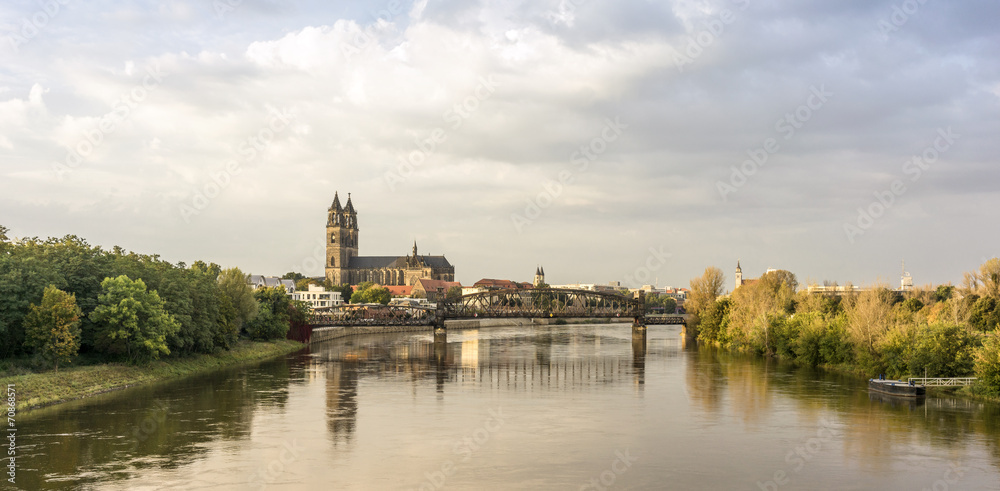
{"type": "Point", "coordinates": [345, 266]}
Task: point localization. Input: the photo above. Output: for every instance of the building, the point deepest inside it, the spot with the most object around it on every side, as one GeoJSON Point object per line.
{"type": "Point", "coordinates": [318, 298]}
{"type": "Point", "coordinates": [345, 266]}
{"type": "Point", "coordinates": [257, 282]}
{"type": "Point", "coordinates": [539, 276]}
{"type": "Point", "coordinates": [428, 288]}
{"type": "Point", "coordinates": [740, 280]}
{"type": "Point", "coordinates": [492, 284]}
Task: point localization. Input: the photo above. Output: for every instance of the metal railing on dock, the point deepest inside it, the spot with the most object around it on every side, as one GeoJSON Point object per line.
{"type": "Point", "coordinates": [942, 381]}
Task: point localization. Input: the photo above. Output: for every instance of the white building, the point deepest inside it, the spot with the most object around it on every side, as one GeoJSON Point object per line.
{"type": "Point", "coordinates": [318, 297]}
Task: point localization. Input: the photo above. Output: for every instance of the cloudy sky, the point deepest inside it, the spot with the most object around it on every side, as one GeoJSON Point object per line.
{"type": "Point", "coordinates": [632, 141]}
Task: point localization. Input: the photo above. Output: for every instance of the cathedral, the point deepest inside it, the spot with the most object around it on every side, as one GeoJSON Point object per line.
{"type": "Point", "coordinates": [345, 266]}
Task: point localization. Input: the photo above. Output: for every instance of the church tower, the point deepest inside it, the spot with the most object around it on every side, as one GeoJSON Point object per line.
{"type": "Point", "coordinates": [539, 276]}
{"type": "Point", "coordinates": [341, 240]}
{"type": "Point", "coordinates": [739, 275]}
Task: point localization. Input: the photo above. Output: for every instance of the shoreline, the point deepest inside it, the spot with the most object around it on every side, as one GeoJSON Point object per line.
{"type": "Point", "coordinates": [961, 392]}
{"type": "Point", "coordinates": [46, 389]}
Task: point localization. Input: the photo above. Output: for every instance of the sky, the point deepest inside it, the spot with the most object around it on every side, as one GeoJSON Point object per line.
{"type": "Point", "coordinates": [636, 141]}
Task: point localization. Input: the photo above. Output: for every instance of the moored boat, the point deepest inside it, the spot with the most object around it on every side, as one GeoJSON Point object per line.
{"type": "Point", "coordinates": [896, 387]}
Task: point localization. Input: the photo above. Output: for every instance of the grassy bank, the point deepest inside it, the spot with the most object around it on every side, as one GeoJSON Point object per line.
{"type": "Point", "coordinates": [46, 388]}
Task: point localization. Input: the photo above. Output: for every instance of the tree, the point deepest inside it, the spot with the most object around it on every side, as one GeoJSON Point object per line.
{"type": "Point", "coordinates": [237, 303]}
{"type": "Point", "coordinates": [984, 314]}
{"type": "Point", "coordinates": [272, 319]}
{"type": "Point", "coordinates": [304, 283]}
{"type": "Point", "coordinates": [454, 293]}
{"type": "Point", "coordinates": [53, 328]}
{"type": "Point", "coordinates": [988, 364]}
{"type": "Point", "coordinates": [345, 290]}
{"type": "Point", "coordinates": [989, 279]}
{"type": "Point", "coordinates": [367, 293]}
{"type": "Point", "coordinates": [131, 320]}
{"type": "Point", "coordinates": [292, 275]}
{"type": "Point", "coordinates": [869, 317]}
{"type": "Point", "coordinates": [704, 290]}
{"type": "Point", "coordinates": [943, 293]}
{"type": "Point", "coordinates": [759, 306]}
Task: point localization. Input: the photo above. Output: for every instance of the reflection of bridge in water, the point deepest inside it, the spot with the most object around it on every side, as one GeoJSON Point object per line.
{"type": "Point", "coordinates": [548, 362]}
{"type": "Point", "coordinates": [501, 304]}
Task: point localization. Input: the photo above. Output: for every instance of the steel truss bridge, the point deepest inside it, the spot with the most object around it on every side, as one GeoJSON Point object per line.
{"type": "Point", "coordinates": [500, 304]}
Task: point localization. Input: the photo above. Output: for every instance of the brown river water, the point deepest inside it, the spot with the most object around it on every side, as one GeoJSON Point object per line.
{"type": "Point", "coordinates": [536, 407]}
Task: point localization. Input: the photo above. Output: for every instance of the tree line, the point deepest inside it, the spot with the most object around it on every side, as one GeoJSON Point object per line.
{"type": "Point", "coordinates": [944, 331]}
{"type": "Point", "coordinates": [60, 297]}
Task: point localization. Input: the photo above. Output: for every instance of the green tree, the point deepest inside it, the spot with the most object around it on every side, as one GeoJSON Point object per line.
{"type": "Point", "coordinates": [131, 320]}
{"type": "Point", "coordinates": [345, 290]}
{"type": "Point", "coordinates": [943, 293]}
{"type": "Point", "coordinates": [454, 293]}
{"type": "Point", "coordinates": [237, 304]}
{"type": "Point", "coordinates": [292, 275]}
{"type": "Point", "coordinates": [367, 293]}
{"type": "Point", "coordinates": [943, 350]}
{"type": "Point", "coordinates": [272, 320]}
{"type": "Point", "coordinates": [987, 360]}
{"type": "Point", "coordinates": [984, 314]}
{"type": "Point", "coordinates": [53, 328]}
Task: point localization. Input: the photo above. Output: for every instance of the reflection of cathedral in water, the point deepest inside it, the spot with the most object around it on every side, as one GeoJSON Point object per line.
{"type": "Point", "coordinates": [341, 400]}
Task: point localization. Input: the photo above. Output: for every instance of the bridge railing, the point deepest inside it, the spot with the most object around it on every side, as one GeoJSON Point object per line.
{"type": "Point", "coordinates": [942, 381]}
{"type": "Point", "coordinates": [547, 302]}
{"type": "Point", "coordinates": [373, 315]}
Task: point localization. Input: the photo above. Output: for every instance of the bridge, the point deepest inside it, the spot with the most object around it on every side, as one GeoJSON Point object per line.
{"type": "Point", "coordinates": [501, 304]}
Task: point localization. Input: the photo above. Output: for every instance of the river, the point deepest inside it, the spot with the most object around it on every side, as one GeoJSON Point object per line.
{"type": "Point", "coordinates": [543, 407]}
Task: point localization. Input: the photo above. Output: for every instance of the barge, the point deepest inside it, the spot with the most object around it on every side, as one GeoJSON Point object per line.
{"type": "Point", "coordinates": [896, 387]}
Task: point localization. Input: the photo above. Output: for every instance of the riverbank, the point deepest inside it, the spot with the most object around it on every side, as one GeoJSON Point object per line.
{"type": "Point", "coordinates": [44, 389]}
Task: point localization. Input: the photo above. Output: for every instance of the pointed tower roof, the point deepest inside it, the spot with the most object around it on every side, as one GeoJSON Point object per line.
{"type": "Point", "coordinates": [538, 271]}
{"type": "Point", "coordinates": [543, 270]}
{"type": "Point", "coordinates": [414, 248]}
{"type": "Point", "coordinates": [738, 265]}
{"type": "Point", "coordinates": [349, 207]}
{"type": "Point", "coordinates": [336, 202]}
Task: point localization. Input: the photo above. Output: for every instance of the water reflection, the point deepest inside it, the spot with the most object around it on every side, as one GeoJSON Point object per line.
{"type": "Point", "coordinates": [582, 387]}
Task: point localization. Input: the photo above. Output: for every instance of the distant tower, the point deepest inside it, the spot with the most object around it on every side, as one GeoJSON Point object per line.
{"type": "Point", "coordinates": [539, 276]}
{"type": "Point", "coordinates": [739, 275]}
{"type": "Point", "coordinates": [341, 240]}
{"type": "Point", "coordinates": [905, 280]}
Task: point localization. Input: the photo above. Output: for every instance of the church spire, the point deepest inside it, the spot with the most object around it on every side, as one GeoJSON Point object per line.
{"type": "Point", "coordinates": [414, 248]}
{"type": "Point", "coordinates": [336, 202]}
